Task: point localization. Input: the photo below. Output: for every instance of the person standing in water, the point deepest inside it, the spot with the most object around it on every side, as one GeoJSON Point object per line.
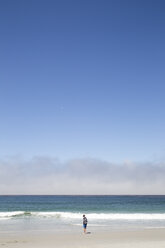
{"type": "Point", "coordinates": [85, 221]}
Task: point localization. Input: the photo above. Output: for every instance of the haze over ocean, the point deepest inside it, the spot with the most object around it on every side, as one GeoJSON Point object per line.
{"type": "Point", "coordinates": [82, 97]}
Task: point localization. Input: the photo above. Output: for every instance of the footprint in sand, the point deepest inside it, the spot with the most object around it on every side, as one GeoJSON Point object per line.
{"type": "Point", "coordinates": [14, 241]}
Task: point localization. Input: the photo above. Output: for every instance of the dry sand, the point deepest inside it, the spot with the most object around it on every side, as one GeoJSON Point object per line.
{"type": "Point", "coordinates": [147, 238]}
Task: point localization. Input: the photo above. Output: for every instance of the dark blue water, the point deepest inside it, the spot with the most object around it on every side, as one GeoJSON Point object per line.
{"type": "Point", "coordinates": [88, 204]}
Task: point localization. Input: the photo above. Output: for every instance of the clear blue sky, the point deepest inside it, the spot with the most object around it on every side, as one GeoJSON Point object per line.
{"type": "Point", "coordinates": [82, 79]}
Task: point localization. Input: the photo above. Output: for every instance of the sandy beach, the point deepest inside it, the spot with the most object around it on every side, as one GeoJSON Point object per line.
{"type": "Point", "coordinates": [147, 238]}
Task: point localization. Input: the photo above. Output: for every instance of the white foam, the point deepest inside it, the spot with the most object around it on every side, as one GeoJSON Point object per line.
{"type": "Point", "coordinates": [67, 215]}
{"type": "Point", "coordinates": [91, 216]}
{"type": "Point", "coordinates": [102, 216]}
{"type": "Point", "coordinates": [136, 216]}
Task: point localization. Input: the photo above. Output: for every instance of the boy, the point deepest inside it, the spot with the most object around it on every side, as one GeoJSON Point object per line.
{"type": "Point", "coordinates": [85, 221]}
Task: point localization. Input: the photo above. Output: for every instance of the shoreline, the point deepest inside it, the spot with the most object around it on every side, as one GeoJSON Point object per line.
{"type": "Point", "coordinates": [144, 238]}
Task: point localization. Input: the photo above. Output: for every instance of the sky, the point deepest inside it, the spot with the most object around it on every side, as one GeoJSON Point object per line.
{"type": "Point", "coordinates": [82, 82]}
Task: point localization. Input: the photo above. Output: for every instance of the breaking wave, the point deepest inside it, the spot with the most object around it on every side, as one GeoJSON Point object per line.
{"type": "Point", "coordinates": [91, 216]}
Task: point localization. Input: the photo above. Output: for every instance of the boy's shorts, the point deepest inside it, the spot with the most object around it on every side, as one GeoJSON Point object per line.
{"type": "Point", "coordinates": [85, 226]}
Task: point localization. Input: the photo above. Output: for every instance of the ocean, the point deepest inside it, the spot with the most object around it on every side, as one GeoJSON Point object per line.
{"type": "Point", "coordinates": [29, 213]}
